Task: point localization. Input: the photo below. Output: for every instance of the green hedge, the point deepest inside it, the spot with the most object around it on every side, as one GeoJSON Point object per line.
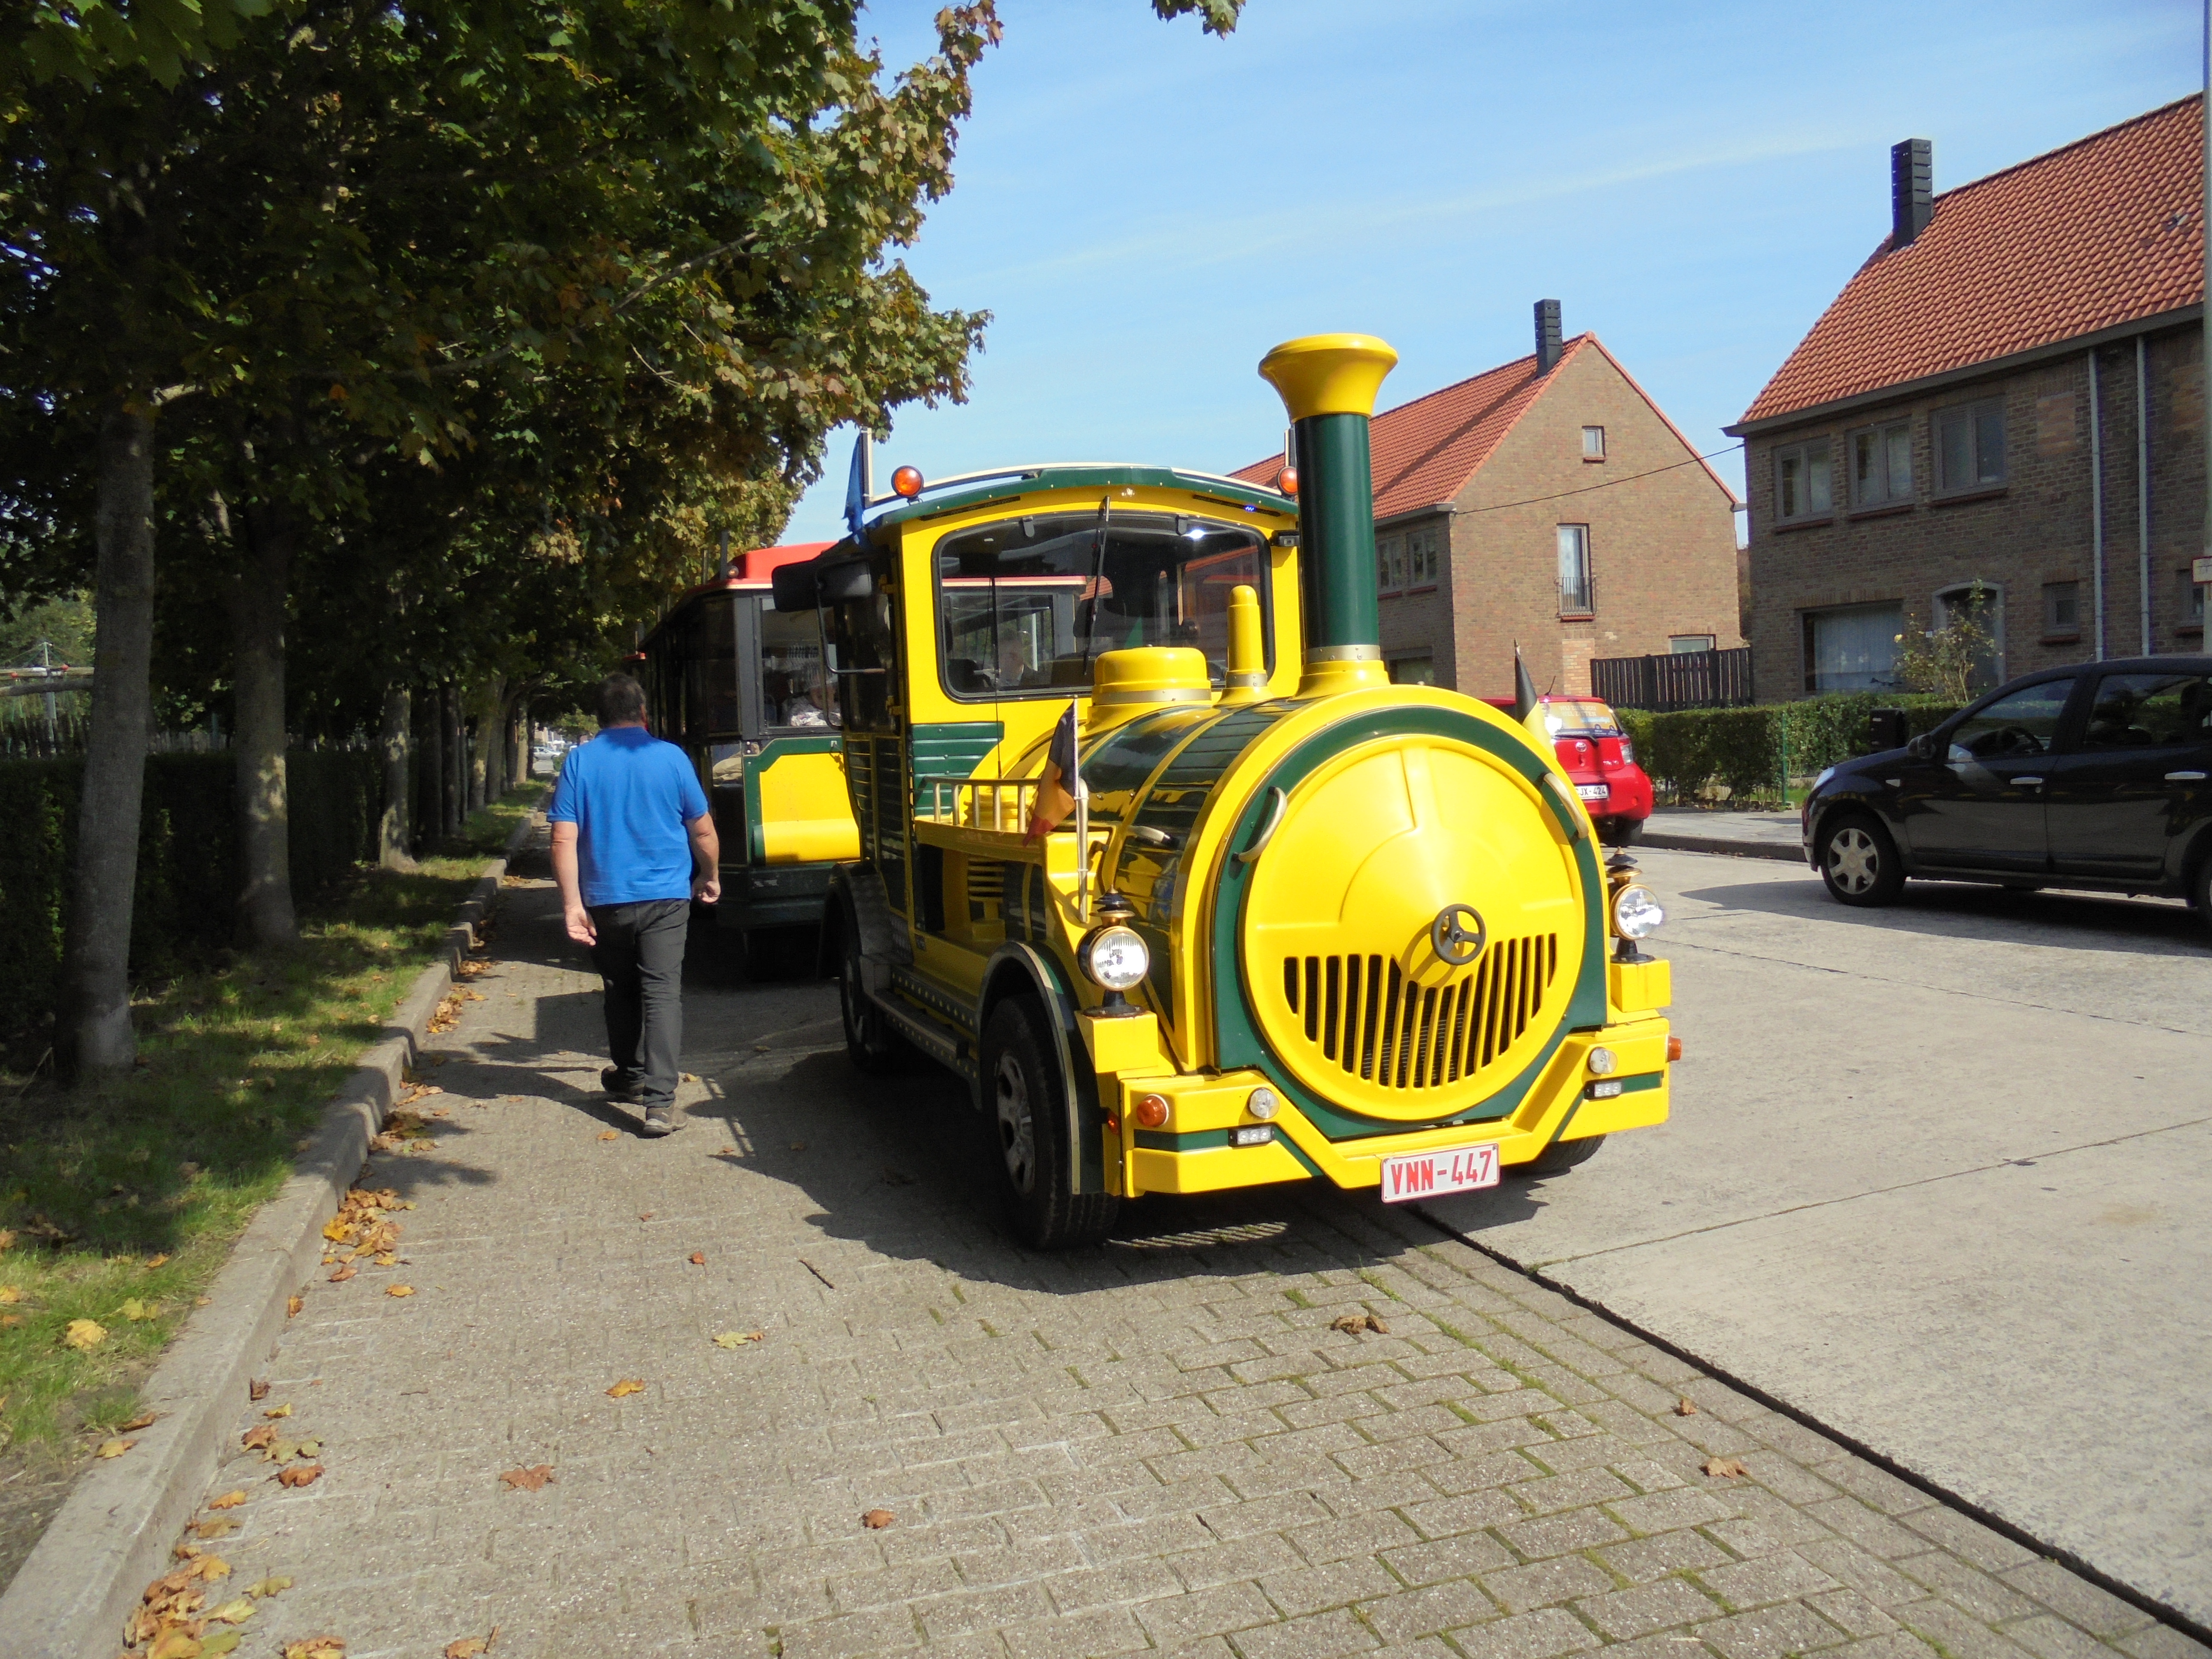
{"type": "Point", "coordinates": [1746, 750]}
{"type": "Point", "coordinates": [188, 876]}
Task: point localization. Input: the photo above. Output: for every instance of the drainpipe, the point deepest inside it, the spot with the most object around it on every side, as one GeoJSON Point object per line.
{"type": "Point", "coordinates": [1328, 382]}
{"type": "Point", "coordinates": [2142, 485]}
{"type": "Point", "coordinates": [2097, 499]}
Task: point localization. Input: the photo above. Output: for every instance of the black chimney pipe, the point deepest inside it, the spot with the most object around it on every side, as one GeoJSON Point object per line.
{"type": "Point", "coordinates": [1912, 191]}
{"type": "Point", "coordinates": [1547, 335]}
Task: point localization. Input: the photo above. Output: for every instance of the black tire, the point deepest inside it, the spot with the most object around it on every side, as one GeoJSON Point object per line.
{"type": "Point", "coordinates": [1559, 1156]}
{"type": "Point", "coordinates": [2200, 889]}
{"type": "Point", "coordinates": [871, 1043]}
{"type": "Point", "coordinates": [1621, 832]}
{"type": "Point", "coordinates": [1858, 860]}
{"type": "Point", "coordinates": [1025, 1123]}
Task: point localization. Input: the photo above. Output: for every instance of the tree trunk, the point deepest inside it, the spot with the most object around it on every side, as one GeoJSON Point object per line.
{"type": "Point", "coordinates": [395, 739]}
{"type": "Point", "coordinates": [457, 763]}
{"type": "Point", "coordinates": [430, 810]}
{"type": "Point", "coordinates": [93, 1034]}
{"type": "Point", "coordinates": [486, 764]}
{"type": "Point", "coordinates": [265, 916]}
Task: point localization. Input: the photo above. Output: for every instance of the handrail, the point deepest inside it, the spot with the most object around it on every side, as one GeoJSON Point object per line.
{"type": "Point", "coordinates": [1002, 805]}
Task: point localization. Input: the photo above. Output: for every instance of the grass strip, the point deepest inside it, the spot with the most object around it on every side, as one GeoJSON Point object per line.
{"type": "Point", "coordinates": [119, 1204]}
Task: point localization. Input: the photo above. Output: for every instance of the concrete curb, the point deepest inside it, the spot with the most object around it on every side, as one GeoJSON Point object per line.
{"type": "Point", "coordinates": [1667, 841]}
{"type": "Point", "coordinates": [113, 1535]}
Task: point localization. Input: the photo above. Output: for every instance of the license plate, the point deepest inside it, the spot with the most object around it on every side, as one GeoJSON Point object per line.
{"type": "Point", "coordinates": [1424, 1174]}
{"type": "Point", "coordinates": [1593, 791]}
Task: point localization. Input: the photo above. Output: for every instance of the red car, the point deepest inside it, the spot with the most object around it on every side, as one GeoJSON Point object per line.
{"type": "Point", "coordinates": [1597, 755]}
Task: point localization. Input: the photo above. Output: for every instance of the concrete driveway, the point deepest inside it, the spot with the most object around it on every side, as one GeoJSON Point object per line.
{"type": "Point", "coordinates": [1937, 1176]}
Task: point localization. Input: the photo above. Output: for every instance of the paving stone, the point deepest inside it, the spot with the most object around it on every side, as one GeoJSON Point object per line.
{"type": "Point", "coordinates": [1151, 1446]}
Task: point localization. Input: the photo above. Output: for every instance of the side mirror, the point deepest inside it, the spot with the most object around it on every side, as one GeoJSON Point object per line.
{"type": "Point", "coordinates": [1922, 747]}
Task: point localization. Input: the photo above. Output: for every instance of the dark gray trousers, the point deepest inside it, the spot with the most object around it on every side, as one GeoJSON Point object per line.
{"type": "Point", "coordinates": [640, 956]}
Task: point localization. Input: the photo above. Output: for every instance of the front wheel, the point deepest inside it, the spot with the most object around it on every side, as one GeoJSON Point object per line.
{"type": "Point", "coordinates": [1859, 862]}
{"type": "Point", "coordinates": [870, 1043]}
{"type": "Point", "coordinates": [1559, 1156]}
{"type": "Point", "coordinates": [1025, 1113]}
{"type": "Point", "coordinates": [1621, 832]}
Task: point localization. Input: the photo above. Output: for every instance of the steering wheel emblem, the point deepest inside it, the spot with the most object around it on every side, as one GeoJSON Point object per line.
{"type": "Point", "coordinates": [1458, 934]}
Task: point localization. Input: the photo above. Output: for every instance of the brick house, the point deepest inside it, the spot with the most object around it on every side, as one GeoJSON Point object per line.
{"type": "Point", "coordinates": [2008, 397]}
{"type": "Point", "coordinates": [1550, 502]}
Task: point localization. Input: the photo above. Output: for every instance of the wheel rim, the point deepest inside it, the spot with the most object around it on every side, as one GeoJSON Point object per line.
{"type": "Point", "coordinates": [1017, 1124]}
{"type": "Point", "coordinates": [1854, 860]}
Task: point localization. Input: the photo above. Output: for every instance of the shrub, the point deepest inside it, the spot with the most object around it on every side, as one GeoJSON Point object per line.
{"type": "Point", "coordinates": [1692, 750]}
{"type": "Point", "coordinates": [188, 879]}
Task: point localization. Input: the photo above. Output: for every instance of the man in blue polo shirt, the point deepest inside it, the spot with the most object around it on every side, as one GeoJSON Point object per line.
{"type": "Point", "coordinates": [633, 845]}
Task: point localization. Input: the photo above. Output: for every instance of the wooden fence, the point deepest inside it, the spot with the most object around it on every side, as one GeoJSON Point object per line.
{"type": "Point", "coordinates": [1691, 680]}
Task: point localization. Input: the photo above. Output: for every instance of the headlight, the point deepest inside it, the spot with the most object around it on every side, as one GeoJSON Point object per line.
{"type": "Point", "coordinates": [1635, 913]}
{"type": "Point", "coordinates": [1602, 1061]}
{"type": "Point", "coordinates": [1114, 957]}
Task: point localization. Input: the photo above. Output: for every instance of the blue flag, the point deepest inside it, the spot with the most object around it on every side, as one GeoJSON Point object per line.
{"type": "Point", "coordinates": [856, 487]}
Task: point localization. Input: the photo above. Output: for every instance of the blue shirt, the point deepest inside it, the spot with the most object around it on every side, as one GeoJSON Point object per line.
{"type": "Point", "coordinates": [629, 796]}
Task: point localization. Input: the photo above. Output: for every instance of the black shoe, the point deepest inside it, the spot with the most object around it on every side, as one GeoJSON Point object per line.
{"type": "Point", "coordinates": [659, 1120]}
{"type": "Point", "coordinates": [618, 1084]}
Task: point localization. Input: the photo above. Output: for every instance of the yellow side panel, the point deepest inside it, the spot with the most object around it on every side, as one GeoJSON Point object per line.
{"type": "Point", "coordinates": [1214, 1169]}
{"type": "Point", "coordinates": [805, 815]}
{"type": "Point", "coordinates": [1637, 987]}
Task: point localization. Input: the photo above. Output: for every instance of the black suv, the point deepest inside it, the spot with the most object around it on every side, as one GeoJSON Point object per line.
{"type": "Point", "coordinates": [2087, 777]}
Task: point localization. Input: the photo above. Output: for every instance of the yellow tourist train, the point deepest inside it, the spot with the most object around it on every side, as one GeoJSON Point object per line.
{"type": "Point", "coordinates": [1154, 855]}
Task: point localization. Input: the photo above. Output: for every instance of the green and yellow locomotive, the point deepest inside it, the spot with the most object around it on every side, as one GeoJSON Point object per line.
{"type": "Point", "coordinates": [1155, 856]}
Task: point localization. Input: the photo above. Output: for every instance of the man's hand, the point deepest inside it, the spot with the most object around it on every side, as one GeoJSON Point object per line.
{"type": "Point", "coordinates": [576, 918]}
{"type": "Point", "coordinates": [708, 890]}
{"type": "Point", "coordinates": [579, 922]}
{"type": "Point", "coordinates": [706, 860]}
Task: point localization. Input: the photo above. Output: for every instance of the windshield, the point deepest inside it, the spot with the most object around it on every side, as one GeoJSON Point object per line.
{"type": "Point", "coordinates": [1565, 718]}
{"type": "Point", "coordinates": [1026, 604]}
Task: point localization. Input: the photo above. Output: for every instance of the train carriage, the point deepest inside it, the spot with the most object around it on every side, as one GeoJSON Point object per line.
{"type": "Point", "coordinates": [746, 690]}
{"type": "Point", "coordinates": [1267, 917]}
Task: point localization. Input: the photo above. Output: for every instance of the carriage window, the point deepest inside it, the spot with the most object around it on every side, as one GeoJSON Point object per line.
{"type": "Point", "coordinates": [796, 691]}
{"type": "Point", "coordinates": [1025, 606]}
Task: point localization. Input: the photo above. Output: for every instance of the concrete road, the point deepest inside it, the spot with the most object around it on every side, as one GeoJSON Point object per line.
{"type": "Point", "coordinates": [1938, 1176]}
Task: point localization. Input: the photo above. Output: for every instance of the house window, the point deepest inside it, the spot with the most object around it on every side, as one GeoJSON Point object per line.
{"type": "Point", "coordinates": [1413, 670]}
{"type": "Point", "coordinates": [1683, 644]}
{"type": "Point", "coordinates": [1980, 605]}
{"type": "Point", "coordinates": [1882, 465]}
{"type": "Point", "coordinates": [1575, 590]}
{"type": "Point", "coordinates": [1801, 481]}
{"type": "Point", "coordinates": [1390, 562]}
{"type": "Point", "coordinates": [2192, 602]}
{"type": "Point", "coordinates": [2062, 611]}
{"type": "Point", "coordinates": [1969, 446]}
{"type": "Point", "coordinates": [1852, 648]}
{"type": "Point", "coordinates": [1424, 556]}
{"type": "Point", "coordinates": [1593, 443]}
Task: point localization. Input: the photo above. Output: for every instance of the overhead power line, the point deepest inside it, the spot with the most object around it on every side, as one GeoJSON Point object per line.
{"type": "Point", "coordinates": [1609, 483]}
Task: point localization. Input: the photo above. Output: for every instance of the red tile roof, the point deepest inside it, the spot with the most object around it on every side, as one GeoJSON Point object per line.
{"type": "Point", "coordinates": [1425, 451]}
{"type": "Point", "coordinates": [2105, 232]}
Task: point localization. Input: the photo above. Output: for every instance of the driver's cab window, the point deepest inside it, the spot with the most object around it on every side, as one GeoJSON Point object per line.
{"type": "Point", "coordinates": [1027, 604]}
{"type": "Point", "coordinates": [2150, 711]}
{"type": "Point", "coordinates": [2021, 724]}
{"type": "Point", "coordinates": [798, 692]}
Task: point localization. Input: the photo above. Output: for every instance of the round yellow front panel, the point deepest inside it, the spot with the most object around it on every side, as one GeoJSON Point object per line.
{"type": "Point", "coordinates": [1413, 929]}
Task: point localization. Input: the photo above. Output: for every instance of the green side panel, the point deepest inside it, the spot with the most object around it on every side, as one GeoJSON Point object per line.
{"type": "Point", "coordinates": [774, 750]}
{"type": "Point", "coordinates": [953, 749]}
{"type": "Point", "coordinates": [1198, 1140]}
{"type": "Point", "coordinates": [1637, 1084]}
{"type": "Point", "coordinates": [1240, 1043]}
{"type": "Point", "coordinates": [1336, 524]}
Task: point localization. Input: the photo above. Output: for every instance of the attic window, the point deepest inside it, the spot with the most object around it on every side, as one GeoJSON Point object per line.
{"type": "Point", "coordinates": [1593, 443]}
{"type": "Point", "coordinates": [1801, 481]}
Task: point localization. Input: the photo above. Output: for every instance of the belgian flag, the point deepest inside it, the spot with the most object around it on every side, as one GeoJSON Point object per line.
{"type": "Point", "coordinates": [1062, 781]}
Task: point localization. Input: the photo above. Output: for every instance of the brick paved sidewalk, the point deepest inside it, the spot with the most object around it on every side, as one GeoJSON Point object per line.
{"type": "Point", "coordinates": [1158, 1445]}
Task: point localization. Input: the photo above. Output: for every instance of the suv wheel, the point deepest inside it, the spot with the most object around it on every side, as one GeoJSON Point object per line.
{"type": "Point", "coordinates": [1558, 1158]}
{"type": "Point", "coordinates": [870, 1043]}
{"type": "Point", "coordinates": [1025, 1120]}
{"type": "Point", "coordinates": [1859, 862]}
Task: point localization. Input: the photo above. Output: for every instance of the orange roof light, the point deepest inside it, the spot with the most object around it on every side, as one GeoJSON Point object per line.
{"type": "Point", "coordinates": [906, 482]}
{"type": "Point", "coordinates": [1287, 481]}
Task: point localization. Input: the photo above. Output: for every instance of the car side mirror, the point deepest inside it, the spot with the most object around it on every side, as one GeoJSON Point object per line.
{"type": "Point", "coordinates": [1922, 747]}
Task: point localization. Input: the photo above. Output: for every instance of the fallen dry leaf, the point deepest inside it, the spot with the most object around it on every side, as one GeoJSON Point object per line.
{"type": "Point", "coordinates": [739, 1338]}
{"type": "Point", "coordinates": [83, 1335]}
{"type": "Point", "coordinates": [136, 1310]}
{"type": "Point", "coordinates": [609, 1134]}
{"type": "Point", "coordinates": [345, 1274]}
{"type": "Point", "coordinates": [316, 1647]}
{"type": "Point", "coordinates": [284, 1410]}
{"type": "Point", "coordinates": [698, 1258]}
{"type": "Point", "coordinates": [300, 1474]}
{"type": "Point", "coordinates": [9, 1293]}
{"type": "Point", "coordinates": [529, 1480]}
{"type": "Point", "coordinates": [259, 1437]}
{"type": "Point", "coordinates": [221, 1642]}
{"type": "Point", "coordinates": [258, 1388]}
{"type": "Point", "coordinates": [268, 1587]}
{"type": "Point", "coordinates": [229, 1500]}
{"type": "Point", "coordinates": [875, 1520]}
{"type": "Point", "coordinates": [156, 1260]}
{"type": "Point", "coordinates": [399, 1289]}
{"type": "Point", "coordinates": [114, 1448]}
{"type": "Point", "coordinates": [1352, 1324]}
{"type": "Point", "coordinates": [292, 1308]}
{"type": "Point", "coordinates": [220, 1527]}
{"type": "Point", "coordinates": [797, 1146]}
{"type": "Point", "coordinates": [233, 1612]}
{"type": "Point", "coordinates": [210, 1568]}
{"type": "Point", "coordinates": [1728, 1468]}
{"type": "Point", "coordinates": [628, 1385]}
{"type": "Point", "coordinates": [644, 1215]}
{"type": "Point", "coordinates": [1685, 1407]}
{"type": "Point", "coordinates": [727, 1150]}
{"type": "Point", "coordinates": [177, 1645]}
{"type": "Point", "coordinates": [467, 1648]}
{"type": "Point", "coordinates": [143, 1421]}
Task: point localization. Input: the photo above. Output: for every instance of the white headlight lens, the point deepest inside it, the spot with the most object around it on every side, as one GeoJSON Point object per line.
{"type": "Point", "coordinates": [1115, 959]}
{"type": "Point", "coordinates": [1602, 1060]}
{"type": "Point", "coordinates": [1635, 913]}
{"type": "Point", "coordinates": [1261, 1103]}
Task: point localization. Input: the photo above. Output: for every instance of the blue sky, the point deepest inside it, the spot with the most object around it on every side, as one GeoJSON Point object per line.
{"type": "Point", "coordinates": [1145, 211]}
